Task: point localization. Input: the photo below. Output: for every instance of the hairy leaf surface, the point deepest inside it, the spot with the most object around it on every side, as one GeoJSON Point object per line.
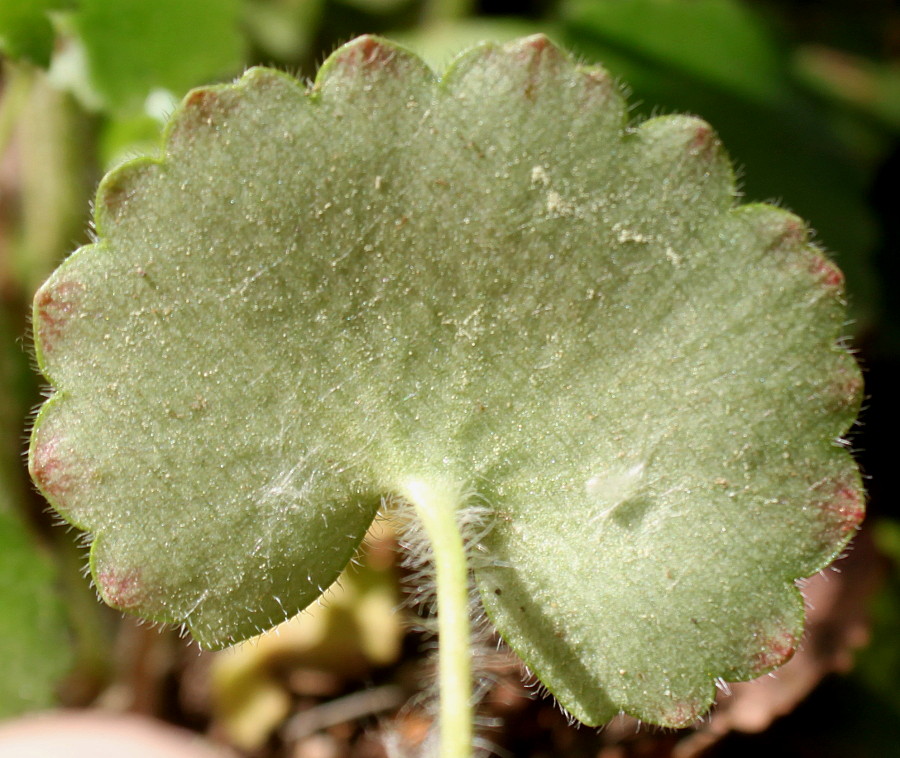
{"type": "Point", "coordinates": [313, 298]}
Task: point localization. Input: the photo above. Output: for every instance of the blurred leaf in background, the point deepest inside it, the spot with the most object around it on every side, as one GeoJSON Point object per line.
{"type": "Point", "coordinates": [34, 645]}
{"type": "Point", "coordinates": [54, 153]}
{"type": "Point", "coordinates": [867, 86]}
{"type": "Point", "coordinates": [437, 44]}
{"type": "Point", "coordinates": [878, 666]}
{"type": "Point", "coordinates": [282, 30]}
{"type": "Point", "coordinates": [25, 29]}
{"type": "Point", "coordinates": [133, 46]}
{"type": "Point", "coordinates": [35, 648]}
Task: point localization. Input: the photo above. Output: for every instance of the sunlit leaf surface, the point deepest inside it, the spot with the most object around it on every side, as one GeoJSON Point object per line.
{"type": "Point", "coordinates": [313, 298]}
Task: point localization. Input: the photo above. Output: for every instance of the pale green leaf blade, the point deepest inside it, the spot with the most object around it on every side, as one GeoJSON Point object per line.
{"type": "Point", "coordinates": [682, 464]}
{"type": "Point", "coordinates": [194, 433]}
{"type": "Point", "coordinates": [720, 59]}
{"type": "Point", "coordinates": [314, 299]}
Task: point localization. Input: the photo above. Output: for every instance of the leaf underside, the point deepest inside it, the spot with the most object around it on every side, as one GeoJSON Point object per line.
{"type": "Point", "coordinates": [487, 279]}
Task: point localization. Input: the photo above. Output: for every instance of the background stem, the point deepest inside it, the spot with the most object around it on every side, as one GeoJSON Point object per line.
{"type": "Point", "coordinates": [436, 507]}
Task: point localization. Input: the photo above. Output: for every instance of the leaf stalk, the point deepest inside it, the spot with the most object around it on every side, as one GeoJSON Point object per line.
{"type": "Point", "coordinates": [437, 505]}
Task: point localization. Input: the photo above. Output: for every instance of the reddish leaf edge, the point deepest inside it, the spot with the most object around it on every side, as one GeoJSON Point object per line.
{"type": "Point", "coordinates": [367, 55]}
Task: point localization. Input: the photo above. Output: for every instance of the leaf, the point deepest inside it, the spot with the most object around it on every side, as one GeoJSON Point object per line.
{"type": "Point", "coordinates": [33, 629]}
{"type": "Point", "coordinates": [878, 664]}
{"type": "Point", "coordinates": [837, 624]}
{"type": "Point", "coordinates": [869, 86]}
{"type": "Point", "coordinates": [284, 29]}
{"type": "Point", "coordinates": [702, 38]}
{"type": "Point", "coordinates": [313, 299]}
{"type": "Point", "coordinates": [33, 642]}
{"type": "Point", "coordinates": [682, 55]}
{"type": "Point", "coordinates": [134, 46]}
{"type": "Point", "coordinates": [25, 29]}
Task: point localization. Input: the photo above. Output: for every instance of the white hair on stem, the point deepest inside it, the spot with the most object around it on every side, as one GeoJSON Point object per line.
{"type": "Point", "coordinates": [475, 519]}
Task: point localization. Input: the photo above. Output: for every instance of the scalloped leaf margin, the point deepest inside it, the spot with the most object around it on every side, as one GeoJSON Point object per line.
{"type": "Point", "coordinates": [642, 378]}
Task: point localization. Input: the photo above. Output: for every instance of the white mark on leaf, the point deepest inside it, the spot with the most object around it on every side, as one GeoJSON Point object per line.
{"type": "Point", "coordinates": [539, 177]}
{"type": "Point", "coordinates": [611, 488]}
